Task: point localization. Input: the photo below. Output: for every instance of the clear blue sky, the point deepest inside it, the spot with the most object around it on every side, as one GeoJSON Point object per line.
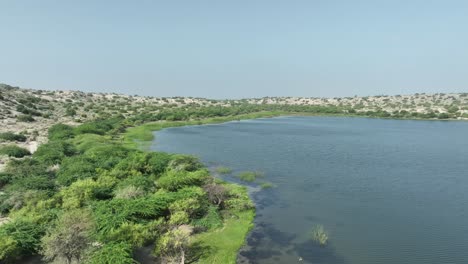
{"type": "Point", "coordinates": [238, 48]}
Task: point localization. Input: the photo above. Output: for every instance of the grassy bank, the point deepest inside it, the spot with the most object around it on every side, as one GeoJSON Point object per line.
{"type": "Point", "coordinates": [219, 245]}
{"type": "Point", "coordinates": [142, 136]}
{"type": "Point", "coordinates": [222, 245]}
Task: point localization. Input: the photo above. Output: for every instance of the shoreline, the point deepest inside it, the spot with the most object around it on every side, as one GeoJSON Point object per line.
{"type": "Point", "coordinates": [141, 136]}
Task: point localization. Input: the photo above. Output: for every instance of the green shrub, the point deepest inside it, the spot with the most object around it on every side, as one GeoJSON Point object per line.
{"type": "Point", "coordinates": [23, 237]}
{"type": "Point", "coordinates": [114, 252]}
{"type": "Point", "coordinates": [9, 136]}
{"type": "Point", "coordinates": [185, 162]}
{"type": "Point", "coordinates": [75, 168]}
{"type": "Point", "coordinates": [14, 151]}
{"type": "Point", "coordinates": [60, 132]}
{"type": "Point", "coordinates": [175, 180]}
{"type": "Point", "coordinates": [54, 152]}
{"type": "Point", "coordinates": [139, 163]}
{"type": "Point", "coordinates": [211, 220]}
{"type": "Point", "coordinates": [144, 183]}
{"type": "Point", "coordinates": [25, 118]}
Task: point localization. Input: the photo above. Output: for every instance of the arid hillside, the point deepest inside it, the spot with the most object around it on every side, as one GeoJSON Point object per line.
{"type": "Point", "coordinates": [30, 112]}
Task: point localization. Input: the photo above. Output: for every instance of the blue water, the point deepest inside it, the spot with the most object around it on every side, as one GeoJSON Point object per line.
{"type": "Point", "coordinates": [386, 191]}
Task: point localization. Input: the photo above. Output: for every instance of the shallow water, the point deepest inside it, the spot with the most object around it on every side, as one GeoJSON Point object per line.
{"type": "Point", "coordinates": [387, 191]}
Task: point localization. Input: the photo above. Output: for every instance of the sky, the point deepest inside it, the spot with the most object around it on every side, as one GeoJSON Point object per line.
{"type": "Point", "coordinates": [236, 49]}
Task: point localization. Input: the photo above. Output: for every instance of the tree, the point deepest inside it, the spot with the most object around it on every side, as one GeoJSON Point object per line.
{"type": "Point", "coordinates": [216, 193]}
{"type": "Point", "coordinates": [69, 239]}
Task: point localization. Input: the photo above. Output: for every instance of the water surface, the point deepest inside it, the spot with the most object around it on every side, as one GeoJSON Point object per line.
{"type": "Point", "coordinates": [387, 191]}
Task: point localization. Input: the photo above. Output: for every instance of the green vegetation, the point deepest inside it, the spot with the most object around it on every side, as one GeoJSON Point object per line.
{"type": "Point", "coordinates": [267, 185]}
{"type": "Point", "coordinates": [9, 136]}
{"type": "Point", "coordinates": [319, 235]}
{"type": "Point", "coordinates": [221, 245]}
{"type": "Point", "coordinates": [14, 151]}
{"type": "Point", "coordinates": [87, 196]}
{"type": "Point", "coordinates": [25, 118]}
{"type": "Point", "coordinates": [223, 170]}
{"type": "Point", "coordinates": [249, 176]}
{"type": "Point", "coordinates": [142, 136]}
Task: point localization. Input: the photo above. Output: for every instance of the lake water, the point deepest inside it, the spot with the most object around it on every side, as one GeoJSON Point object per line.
{"type": "Point", "coordinates": [386, 191]}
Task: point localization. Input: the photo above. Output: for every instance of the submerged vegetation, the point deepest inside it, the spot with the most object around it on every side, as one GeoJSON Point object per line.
{"type": "Point", "coordinates": [223, 170]}
{"type": "Point", "coordinates": [86, 197]}
{"type": "Point", "coordinates": [319, 235]}
{"type": "Point", "coordinates": [250, 176]}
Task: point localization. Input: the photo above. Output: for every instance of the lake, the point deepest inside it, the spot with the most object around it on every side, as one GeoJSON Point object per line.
{"type": "Point", "coordinates": [386, 191]}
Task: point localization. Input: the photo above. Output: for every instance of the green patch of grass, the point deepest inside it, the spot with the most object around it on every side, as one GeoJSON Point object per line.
{"type": "Point", "coordinates": [221, 245]}
{"type": "Point", "coordinates": [249, 176]}
{"type": "Point", "coordinates": [223, 170]}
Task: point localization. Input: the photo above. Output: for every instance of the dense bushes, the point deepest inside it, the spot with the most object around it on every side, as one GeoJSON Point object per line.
{"type": "Point", "coordinates": [14, 151]}
{"type": "Point", "coordinates": [9, 136]}
{"type": "Point", "coordinates": [54, 152]}
{"type": "Point", "coordinates": [60, 132]}
{"type": "Point", "coordinates": [84, 196]}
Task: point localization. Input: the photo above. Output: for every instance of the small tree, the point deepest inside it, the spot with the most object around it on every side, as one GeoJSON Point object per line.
{"type": "Point", "coordinates": [216, 193]}
{"type": "Point", "coordinates": [70, 237]}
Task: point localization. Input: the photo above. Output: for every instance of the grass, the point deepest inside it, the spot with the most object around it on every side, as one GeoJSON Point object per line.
{"type": "Point", "coordinates": [249, 176]}
{"type": "Point", "coordinates": [319, 235]}
{"type": "Point", "coordinates": [223, 170]}
{"type": "Point", "coordinates": [221, 245]}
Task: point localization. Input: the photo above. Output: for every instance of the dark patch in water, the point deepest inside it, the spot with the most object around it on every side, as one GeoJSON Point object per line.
{"type": "Point", "coordinates": [311, 252]}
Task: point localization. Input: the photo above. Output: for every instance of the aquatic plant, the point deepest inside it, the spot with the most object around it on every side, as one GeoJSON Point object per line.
{"type": "Point", "coordinates": [267, 185]}
{"type": "Point", "coordinates": [319, 235]}
{"type": "Point", "coordinates": [249, 176]}
{"type": "Point", "coordinates": [223, 170]}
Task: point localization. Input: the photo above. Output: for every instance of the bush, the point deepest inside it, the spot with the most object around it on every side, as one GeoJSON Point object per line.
{"type": "Point", "coordinates": [129, 192]}
{"type": "Point", "coordinates": [139, 163]}
{"type": "Point", "coordinates": [25, 118]}
{"type": "Point", "coordinates": [69, 238]}
{"type": "Point", "coordinates": [23, 236]}
{"type": "Point", "coordinates": [9, 136]}
{"type": "Point", "coordinates": [175, 180]}
{"type": "Point", "coordinates": [60, 132]}
{"type": "Point", "coordinates": [211, 220]}
{"type": "Point", "coordinates": [14, 151]}
{"type": "Point", "coordinates": [185, 162]}
{"type": "Point", "coordinates": [118, 253]}
{"type": "Point", "coordinates": [75, 168]}
{"type": "Point", "coordinates": [54, 152]}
